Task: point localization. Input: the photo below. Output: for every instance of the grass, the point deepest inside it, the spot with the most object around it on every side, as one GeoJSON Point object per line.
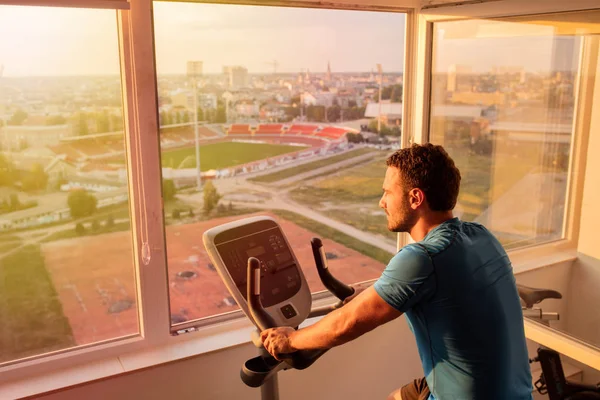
{"type": "Point", "coordinates": [364, 221]}
{"type": "Point", "coordinates": [30, 310]}
{"type": "Point", "coordinates": [335, 235]}
{"type": "Point", "coordinates": [293, 171]}
{"type": "Point", "coordinates": [223, 155]}
{"type": "Point", "coordinates": [70, 233]}
{"type": "Point", "coordinates": [360, 184]}
{"type": "Point", "coordinates": [4, 247]}
{"type": "Point", "coordinates": [9, 238]}
{"type": "Point", "coordinates": [349, 196]}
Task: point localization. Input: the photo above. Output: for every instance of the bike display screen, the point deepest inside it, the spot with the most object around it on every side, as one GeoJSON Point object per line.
{"type": "Point", "coordinates": [280, 277]}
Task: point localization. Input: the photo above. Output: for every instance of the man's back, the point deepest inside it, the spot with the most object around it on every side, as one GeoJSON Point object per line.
{"type": "Point", "coordinates": [458, 291]}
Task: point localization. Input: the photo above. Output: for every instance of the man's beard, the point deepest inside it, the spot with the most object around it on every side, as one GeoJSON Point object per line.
{"type": "Point", "coordinates": [407, 218]}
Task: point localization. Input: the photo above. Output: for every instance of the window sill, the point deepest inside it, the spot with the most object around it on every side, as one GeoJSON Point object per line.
{"type": "Point", "coordinates": [205, 340]}
{"type": "Point", "coordinates": [214, 337]}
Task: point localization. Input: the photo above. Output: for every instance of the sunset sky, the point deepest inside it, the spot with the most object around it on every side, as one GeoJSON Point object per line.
{"type": "Point", "coordinates": [58, 41]}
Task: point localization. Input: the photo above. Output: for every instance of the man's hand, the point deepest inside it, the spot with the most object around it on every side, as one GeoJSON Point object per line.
{"type": "Point", "coordinates": [278, 340]}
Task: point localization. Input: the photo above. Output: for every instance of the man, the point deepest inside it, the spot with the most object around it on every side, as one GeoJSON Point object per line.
{"type": "Point", "coordinates": [455, 285]}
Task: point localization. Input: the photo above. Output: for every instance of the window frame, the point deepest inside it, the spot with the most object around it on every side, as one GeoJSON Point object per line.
{"type": "Point", "coordinates": [538, 255]}
{"type": "Point", "coordinates": [135, 25]}
{"type": "Point", "coordinates": [140, 108]}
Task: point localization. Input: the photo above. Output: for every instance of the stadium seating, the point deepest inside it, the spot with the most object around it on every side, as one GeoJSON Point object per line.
{"type": "Point", "coordinates": [331, 132]}
{"type": "Point", "coordinates": [237, 129]}
{"type": "Point", "coordinates": [269, 129]}
{"type": "Point", "coordinates": [307, 130]}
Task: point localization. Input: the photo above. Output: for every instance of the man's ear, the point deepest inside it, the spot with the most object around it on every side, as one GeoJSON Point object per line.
{"type": "Point", "coordinates": [416, 198]}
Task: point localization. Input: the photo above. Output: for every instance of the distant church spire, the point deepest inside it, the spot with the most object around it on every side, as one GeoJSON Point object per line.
{"type": "Point", "coordinates": [328, 71]}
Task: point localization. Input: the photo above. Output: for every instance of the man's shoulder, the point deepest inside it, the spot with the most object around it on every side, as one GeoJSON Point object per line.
{"type": "Point", "coordinates": [413, 253]}
{"type": "Point", "coordinates": [453, 234]}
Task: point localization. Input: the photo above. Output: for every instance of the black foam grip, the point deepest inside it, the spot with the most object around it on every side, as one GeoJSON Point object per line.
{"type": "Point", "coordinates": [339, 289]}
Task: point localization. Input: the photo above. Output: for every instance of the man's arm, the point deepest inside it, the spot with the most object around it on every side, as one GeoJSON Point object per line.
{"type": "Point", "coordinates": [363, 314]}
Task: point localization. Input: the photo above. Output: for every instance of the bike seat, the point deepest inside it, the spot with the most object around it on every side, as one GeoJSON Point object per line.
{"type": "Point", "coordinates": [531, 296]}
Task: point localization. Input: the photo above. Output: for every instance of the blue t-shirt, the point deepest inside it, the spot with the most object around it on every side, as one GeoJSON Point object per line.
{"type": "Point", "coordinates": [458, 292]}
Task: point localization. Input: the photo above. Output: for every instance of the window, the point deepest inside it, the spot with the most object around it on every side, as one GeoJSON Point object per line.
{"type": "Point", "coordinates": [287, 107]}
{"type": "Point", "coordinates": [66, 262]}
{"type": "Point", "coordinates": [503, 102]}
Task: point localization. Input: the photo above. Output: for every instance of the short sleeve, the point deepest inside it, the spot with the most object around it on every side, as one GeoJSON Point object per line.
{"type": "Point", "coordinates": [408, 279]}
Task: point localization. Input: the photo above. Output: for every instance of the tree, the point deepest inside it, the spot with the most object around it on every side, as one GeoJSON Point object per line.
{"type": "Point", "coordinates": [81, 203]}
{"type": "Point", "coordinates": [110, 221]}
{"type": "Point", "coordinates": [221, 116]}
{"type": "Point", "coordinates": [315, 113]}
{"type": "Point", "coordinates": [200, 114]}
{"type": "Point", "coordinates": [7, 171]}
{"type": "Point", "coordinates": [56, 120]}
{"type": "Point", "coordinates": [211, 197]}
{"type": "Point", "coordinates": [18, 118]}
{"type": "Point", "coordinates": [95, 226]}
{"type": "Point", "coordinates": [168, 190]}
{"type": "Point", "coordinates": [177, 117]}
{"type": "Point", "coordinates": [355, 137]}
{"type": "Point", "coordinates": [169, 119]}
{"type": "Point", "coordinates": [79, 229]}
{"type": "Point", "coordinates": [14, 202]}
{"type": "Point", "coordinates": [334, 113]}
{"type": "Point", "coordinates": [176, 214]}
{"type": "Point", "coordinates": [81, 124]}
{"type": "Point", "coordinates": [186, 117]}
{"type": "Point", "coordinates": [36, 179]}
{"type": "Point", "coordinates": [102, 122]}
{"type": "Point", "coordinates": [163, 118]}
{"type": "Point", "coordinates": [116, 123]}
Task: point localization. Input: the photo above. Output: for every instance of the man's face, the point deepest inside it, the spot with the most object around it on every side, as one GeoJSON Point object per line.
{"type": "Point", "coordinates": [395, 201]}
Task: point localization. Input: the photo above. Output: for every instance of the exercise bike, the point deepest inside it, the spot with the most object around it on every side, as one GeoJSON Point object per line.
{"type": "Point", "coordinates": [552, 380]}
{"type": "Point", "coordinates": [247, 251]}
{"type": "Point", "coordinates": [260, 270]}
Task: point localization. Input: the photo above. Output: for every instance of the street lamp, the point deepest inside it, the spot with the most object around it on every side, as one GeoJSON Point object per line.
{"type": "Point", "coordinates": [194, 71]}
{"type": "Point", "coordinates": [379, 69]}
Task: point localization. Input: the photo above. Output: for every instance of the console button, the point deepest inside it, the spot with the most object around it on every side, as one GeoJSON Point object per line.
{"type": "Point", "coordinates": [288, 311]}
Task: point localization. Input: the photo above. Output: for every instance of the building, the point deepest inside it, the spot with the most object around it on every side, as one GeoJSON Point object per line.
{"type": "Point", "coordinates": [391, 113]}
{"type": "Point", "coordinates": [23, 136]}
{"type": "Point", "coordinates": [236, 76]}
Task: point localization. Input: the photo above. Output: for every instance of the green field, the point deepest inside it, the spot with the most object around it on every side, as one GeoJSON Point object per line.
{"type": "Point", "coordinates": [32, 318]}
{"type": "Point", "coordinates": [223, 155]}
{"type": "Point", "coordinates": [289, 172]}
{"type": "Point", "coordinates": [350, 196]}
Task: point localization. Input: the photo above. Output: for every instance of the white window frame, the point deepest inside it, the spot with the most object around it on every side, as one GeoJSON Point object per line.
{"type": "Point", "coordinates": [545, 253]}
{"type": "Point", "coordinates": [140, 109]}
{"type": "Point", "coordinates": [154, 344]}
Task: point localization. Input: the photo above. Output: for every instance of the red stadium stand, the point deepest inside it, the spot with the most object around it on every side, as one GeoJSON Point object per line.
{"type": "Point", "coordinates": [269, 129]}
{"type": "Point", "coordinates": [237, 129]}
{"type": "Point", "coordinates": [331, 132]}
{"type": "Point", "coordinates": [307, 130]}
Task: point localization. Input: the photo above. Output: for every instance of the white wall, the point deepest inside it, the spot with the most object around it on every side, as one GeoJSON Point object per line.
{"type": "Point", "coordinates": [368, 368]}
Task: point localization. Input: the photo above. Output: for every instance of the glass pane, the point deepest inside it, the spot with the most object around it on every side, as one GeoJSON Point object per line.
{"type": "Point", "coordinates": [503, 97]}
{"type": "Point", "coordinates": [287, 112]}
{"type": "Point", "coordinates": [66, 261]}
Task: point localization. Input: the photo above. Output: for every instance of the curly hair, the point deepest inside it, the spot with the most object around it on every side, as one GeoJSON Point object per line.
{"type": "Point", "coordinates": [429, 168]}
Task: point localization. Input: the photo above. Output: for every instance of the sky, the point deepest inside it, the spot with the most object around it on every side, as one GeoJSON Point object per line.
{"type": "Point", "coordinates": [60, 41]}
{"type": "Point", "coordinates": [51, 41]}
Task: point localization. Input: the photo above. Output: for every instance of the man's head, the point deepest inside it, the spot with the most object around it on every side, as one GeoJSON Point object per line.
{"type": "Point", "coordinates": [420, 180]}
